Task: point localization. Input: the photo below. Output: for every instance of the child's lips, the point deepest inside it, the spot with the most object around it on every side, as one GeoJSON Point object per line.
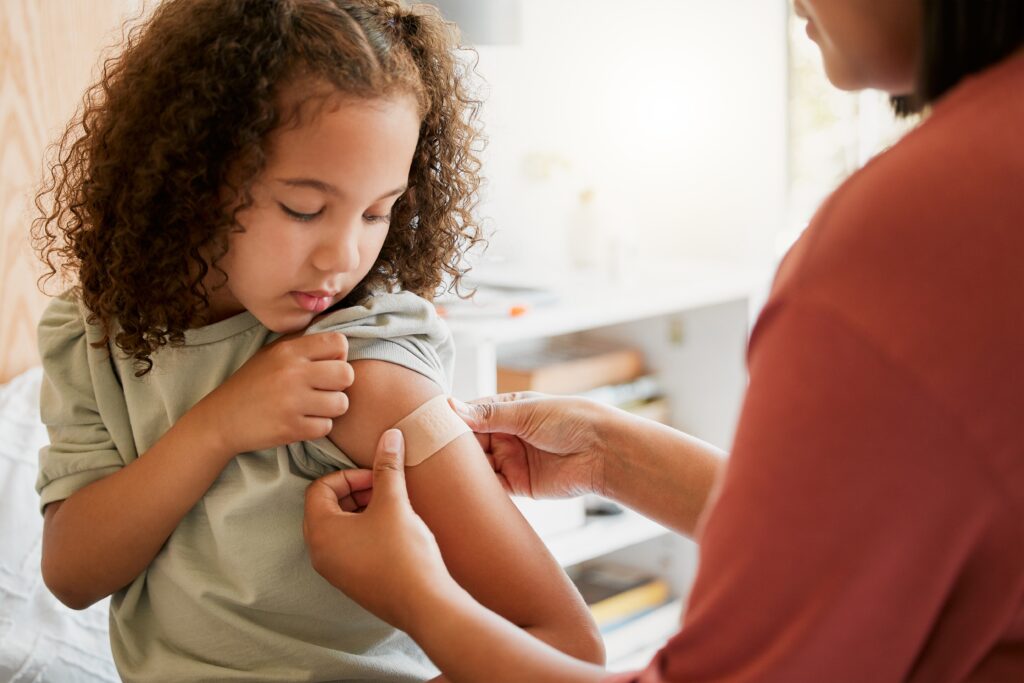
{"type": "Point", "coordinates": [314, 302]}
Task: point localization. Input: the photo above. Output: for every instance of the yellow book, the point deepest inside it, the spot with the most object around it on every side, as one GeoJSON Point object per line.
{"type": "Point", "coordinates": [615, 593]}
{"type": "Point", "coordinates": [630, 602]}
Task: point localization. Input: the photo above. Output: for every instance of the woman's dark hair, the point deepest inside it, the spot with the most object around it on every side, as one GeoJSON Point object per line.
{"type": "Point", "coordinates": [960, 38]}
{"type": "Point", "coordinates": [150, 174]}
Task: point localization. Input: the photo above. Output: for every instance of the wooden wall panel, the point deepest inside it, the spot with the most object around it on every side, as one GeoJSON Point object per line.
{"type": "Point", "coordinates": [49, 52]}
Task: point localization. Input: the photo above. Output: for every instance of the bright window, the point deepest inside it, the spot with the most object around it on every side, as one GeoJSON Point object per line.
{"type": "Point", "coordinates": [831, 133]}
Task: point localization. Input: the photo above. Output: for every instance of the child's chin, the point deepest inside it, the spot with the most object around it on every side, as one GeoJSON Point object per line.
{"type": "Point", "coordinates": [287, 326]}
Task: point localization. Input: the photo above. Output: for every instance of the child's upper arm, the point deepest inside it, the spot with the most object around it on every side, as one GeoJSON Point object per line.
{"type": "Point", "coordinates": [487, 545]}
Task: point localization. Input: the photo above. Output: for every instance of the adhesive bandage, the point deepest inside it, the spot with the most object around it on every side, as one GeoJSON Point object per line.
{"type": "Point", "coordinates": [428, 429]}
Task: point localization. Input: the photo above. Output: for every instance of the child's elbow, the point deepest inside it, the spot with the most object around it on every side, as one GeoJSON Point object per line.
{"type": "Point", "coordinates": [592, 645]}
{"type": "Point", "coordinates": [61, 588]}
{"type": "Point", "coordinates": [582, 639]}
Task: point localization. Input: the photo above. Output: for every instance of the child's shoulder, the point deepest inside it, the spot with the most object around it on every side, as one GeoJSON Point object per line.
{"type": "Point", "coordinates": [397, 327]}
{"type": "Point", "coordinates": [385, 315]}
{"type": "Point", "coordinates": [69, 345]}
{"type": "Point", "coordinates": [64, 322]}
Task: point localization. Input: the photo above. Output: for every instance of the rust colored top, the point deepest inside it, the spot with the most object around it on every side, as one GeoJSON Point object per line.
{"type": "Point", "coordinates": [870, 526]}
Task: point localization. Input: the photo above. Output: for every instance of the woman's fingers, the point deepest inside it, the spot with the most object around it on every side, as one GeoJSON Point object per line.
{"type": "Point", "coordinates": [349, 490]}
{"type": "Point", "coordinates": [348, 482]}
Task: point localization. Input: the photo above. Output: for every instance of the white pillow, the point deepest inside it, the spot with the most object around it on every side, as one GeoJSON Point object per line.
{"type": "Point", "coordinates": [41, 640]}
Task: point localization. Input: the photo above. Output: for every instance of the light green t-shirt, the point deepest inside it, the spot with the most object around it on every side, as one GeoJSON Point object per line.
{"type": "Point", "coordinates": [232, 595]}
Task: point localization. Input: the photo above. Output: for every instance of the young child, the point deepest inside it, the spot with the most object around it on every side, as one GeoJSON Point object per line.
{"type": "Point", "coordinates": [243, 167]}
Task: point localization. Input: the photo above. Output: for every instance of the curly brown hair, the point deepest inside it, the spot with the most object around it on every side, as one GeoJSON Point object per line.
{"type": "Point", "coordinates": [148, 177]}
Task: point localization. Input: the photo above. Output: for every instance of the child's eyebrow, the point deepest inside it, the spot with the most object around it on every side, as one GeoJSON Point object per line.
{"type": "Point", "coordinates": [327, 188]}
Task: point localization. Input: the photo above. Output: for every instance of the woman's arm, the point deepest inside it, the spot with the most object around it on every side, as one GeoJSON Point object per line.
{"type": "Point", "coordinates": [488, 547]}
{"type": "Point", "coordinates": [104, 535]}
{"type": "Point", "coordinates": [661, 472]}
{"type": "Point", "coordinates": [555, 447]}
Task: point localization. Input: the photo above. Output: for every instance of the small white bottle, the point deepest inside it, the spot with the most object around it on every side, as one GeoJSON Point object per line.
{"type": "Point", "coordinates": [587, 234]}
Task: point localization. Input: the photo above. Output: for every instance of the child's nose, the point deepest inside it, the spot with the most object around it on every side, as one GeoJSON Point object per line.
{"type": "Point", "coordinates": [339, 251]}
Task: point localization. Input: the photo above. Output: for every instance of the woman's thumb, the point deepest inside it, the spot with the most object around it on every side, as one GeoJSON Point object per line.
{"type": "Point", "coordinates": [389, 468]}
{"type": "Point", "coordinates": [485, 416]}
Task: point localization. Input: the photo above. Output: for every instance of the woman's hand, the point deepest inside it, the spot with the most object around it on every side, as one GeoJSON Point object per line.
{"type": "Point", "coordinates": [382, 555]}
{"type": "Point", "coordinates": [541, 446]}
{"type": "Point", "coordinates": [288, 391]}
{"type": "Point", "coordinates": [374, 548]}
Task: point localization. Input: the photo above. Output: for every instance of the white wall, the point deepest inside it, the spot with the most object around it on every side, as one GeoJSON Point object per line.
{"type": "Point", "coordinates": [674, 110]}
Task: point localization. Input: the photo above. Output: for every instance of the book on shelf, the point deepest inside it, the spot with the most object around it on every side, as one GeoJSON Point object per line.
{"type": "Point", "coordinates": [656, 409]}
{"type": "Point", "coordinates": [569, 366]}
{"type": "Point", "coordinates": [616, 594]}
{"type": "Point", "coordinates": [632, 644]}
{"type": "Point", "coordinates": [641, 396]}
{"type": "Point", "coordinates": [603, 371]}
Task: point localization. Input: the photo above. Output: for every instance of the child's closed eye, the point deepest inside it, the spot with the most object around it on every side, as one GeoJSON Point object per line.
{"type": "Point", "coordinates": [298, 215]}
{"type": "Point", "coordinates": [306, 217]}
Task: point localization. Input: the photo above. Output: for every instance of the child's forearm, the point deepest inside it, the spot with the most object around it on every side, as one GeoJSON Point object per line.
{"type": "Point", "coordinates": [581, 641]}
{"type": "Point", "coordinates": [99, 539]}
{"type": "Point", "coordinates": [501, 652]}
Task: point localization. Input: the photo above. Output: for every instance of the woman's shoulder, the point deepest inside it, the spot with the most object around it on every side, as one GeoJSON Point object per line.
{"type": "Point", "coordinates": [918, 252]}
{"type": "Point", "coordinates": [952, 181]}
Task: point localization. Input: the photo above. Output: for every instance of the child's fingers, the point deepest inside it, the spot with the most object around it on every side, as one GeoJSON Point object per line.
{"type": "Point", "coordinates": [324, 346]}
{"type": "Point", "coordinates": [326, 404]}
{"type": "Point", "coordinates": [331, 375]}
{"type": "Point", "coordinates": [313, 427]}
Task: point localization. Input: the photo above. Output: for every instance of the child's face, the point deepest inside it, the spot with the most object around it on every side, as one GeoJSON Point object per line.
{"type": "Point", "coordinates": [321, 210]}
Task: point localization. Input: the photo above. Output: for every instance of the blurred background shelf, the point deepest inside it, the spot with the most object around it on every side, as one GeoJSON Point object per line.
{"type": "Point", "coordinates": [601, 535]}
{"type": "Point", "coordinates": [581, 302]}
{"type": "Point", "coordinates": [632, 645]}
{"type": "Point", "coordinates": [690, 324]}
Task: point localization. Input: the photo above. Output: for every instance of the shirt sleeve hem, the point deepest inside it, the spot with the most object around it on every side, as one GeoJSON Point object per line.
{"type": "Point", "coordinates": [63, 487]}
{"type": "Point", "coordinates": [390, 352]}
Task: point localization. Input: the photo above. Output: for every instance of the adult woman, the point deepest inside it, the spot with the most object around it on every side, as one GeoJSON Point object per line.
{"type": "Point", "coordinates": [868, 525]}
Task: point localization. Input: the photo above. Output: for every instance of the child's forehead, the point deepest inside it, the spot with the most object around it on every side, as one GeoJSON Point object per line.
{"type": "Point", "coordinates": [373, 140]}
{"type": "Point", "coordinates": [303, 102]}
{"type": "Point", "coordinates": [297, 103]}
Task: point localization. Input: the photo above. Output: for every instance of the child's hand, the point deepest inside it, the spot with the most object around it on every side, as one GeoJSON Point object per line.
{"type": "Point", "coordinates": [288, 391]}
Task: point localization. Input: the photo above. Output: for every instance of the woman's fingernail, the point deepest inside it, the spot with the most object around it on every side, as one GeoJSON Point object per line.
{"type": "Point", "coordinates": [460, 408]}
{"type": "Point", "coordinates": [392, 441]}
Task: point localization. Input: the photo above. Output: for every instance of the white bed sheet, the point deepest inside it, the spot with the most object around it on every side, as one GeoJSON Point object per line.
{"type": "Point", "coordinates": [41, 640]}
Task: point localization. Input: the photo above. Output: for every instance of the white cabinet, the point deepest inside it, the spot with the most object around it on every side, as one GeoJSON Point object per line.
{"type": "Point", "coordinates": [692, 326]}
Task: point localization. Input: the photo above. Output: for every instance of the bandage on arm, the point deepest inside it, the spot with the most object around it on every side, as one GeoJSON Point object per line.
{"type": "Point", "coordinates": [428, 429]}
